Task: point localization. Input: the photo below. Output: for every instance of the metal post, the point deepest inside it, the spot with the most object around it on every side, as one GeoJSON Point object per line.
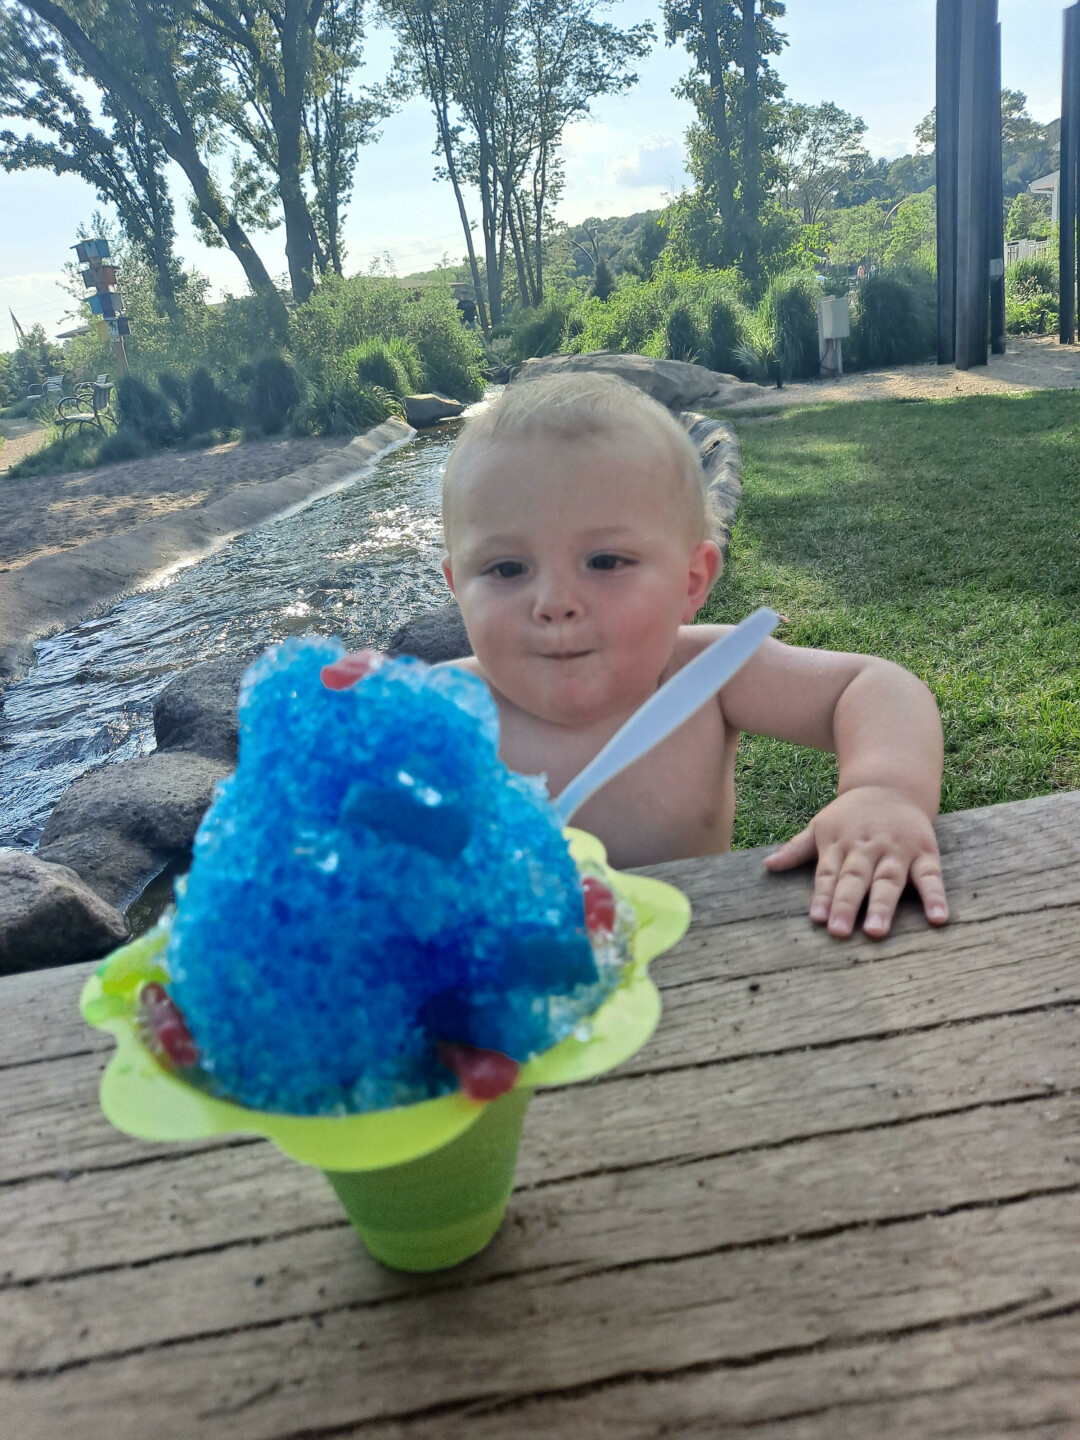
{"type": "Point", "coordinates": [997, 209]}
{"type": "Point", "coordinates": [1070, 142]}
{"type": "Point", "coordinates": [948, 103]}
{"type": "Point", "coordinates": [977, 21]}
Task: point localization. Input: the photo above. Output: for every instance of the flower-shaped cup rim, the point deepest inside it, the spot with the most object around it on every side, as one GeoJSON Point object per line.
{"type": "Point", "coordinates": [143, 1098]}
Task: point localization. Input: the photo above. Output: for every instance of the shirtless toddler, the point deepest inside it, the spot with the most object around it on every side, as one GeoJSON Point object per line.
{"type": "Point", "coordinates": [578, 548]}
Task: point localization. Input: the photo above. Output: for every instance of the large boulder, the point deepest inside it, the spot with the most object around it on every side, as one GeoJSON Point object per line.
{"type": "Point", "coordinates": [117, 827]}
{"type": "Point", "coordinates": [48, 916]}
{"type": "Point", "coordinates": [433, 635]}
{"type": "Point", "coordinates": [421, 410]}
{"type": "Point", "coordinates": [676, 384]}
{"type": "Point", "coordinates": [197, 710]}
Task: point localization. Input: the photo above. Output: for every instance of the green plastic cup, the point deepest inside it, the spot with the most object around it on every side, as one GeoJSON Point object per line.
{"type": "Point", "coordinates": [425, 1185]}
{"type": "Point", "coordinates": [444, 1207]}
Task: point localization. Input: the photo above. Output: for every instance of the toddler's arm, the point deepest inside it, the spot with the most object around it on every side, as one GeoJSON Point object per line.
{"type": "Point", "coordinates": [884, 728]}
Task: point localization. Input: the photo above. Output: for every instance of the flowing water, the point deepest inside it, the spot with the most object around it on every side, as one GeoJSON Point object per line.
{"type": "Point", "coordinates": [356, 563]}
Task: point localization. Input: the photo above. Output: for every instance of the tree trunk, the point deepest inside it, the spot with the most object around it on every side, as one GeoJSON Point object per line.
{"type": "Point", "coordinates": [524, 288]}
{"type": "Point", "coordinates": [287, 106]}
{"type": "Point", "coordinates": [177, 140]}
{"type": "Point", "coordinates": [723, 176]}
{"type": "Point", "coordinates": [751, 180]}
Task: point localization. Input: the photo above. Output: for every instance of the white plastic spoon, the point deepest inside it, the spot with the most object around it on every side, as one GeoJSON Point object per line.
{"type": "Point", "coordinates": [686, 691]}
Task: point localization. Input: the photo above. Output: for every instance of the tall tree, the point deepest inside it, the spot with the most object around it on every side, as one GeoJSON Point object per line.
{"type": "Point", "coordinates": [504, 78]}
{"type": "Point", "coordinates": [820, 149]}
{"type": "Point", "coordinates": [139, 54]}
{"type": "Point", "coordinates": [125, 163]}
{"type": "Point", "coordinates": [735, 91]}
{"type": "Point", "coordinates": [567, 58]}
{"type": "Point", "coordinates": [338, 119]}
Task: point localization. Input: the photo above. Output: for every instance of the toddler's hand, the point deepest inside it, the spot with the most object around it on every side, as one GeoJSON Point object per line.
{"type": "Point", "coordinates": [870, 839]}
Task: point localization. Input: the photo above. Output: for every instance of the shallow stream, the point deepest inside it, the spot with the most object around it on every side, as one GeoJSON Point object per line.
{"type": "Point", "coordinates": [355, 563]}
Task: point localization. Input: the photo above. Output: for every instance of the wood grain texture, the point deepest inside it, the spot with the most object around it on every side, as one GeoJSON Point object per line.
{"type": "Point", "coordinates": [837, 1195]}
{"type": "Point", "coordinates": [75, 1221]}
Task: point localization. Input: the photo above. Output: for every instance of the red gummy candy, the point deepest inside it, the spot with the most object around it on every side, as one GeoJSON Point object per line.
{"type": "Point", "coordinates": [168, 1026]}
{"type": "Point", "coordinates": [599, 905]}
{"type": "Point", "coordinates": [349, 669]}
{"type": "Point", "coordinates": [484, 1074]}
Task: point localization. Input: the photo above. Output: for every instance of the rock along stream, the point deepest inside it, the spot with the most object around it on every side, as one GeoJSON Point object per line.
{"type": "Point", "coordinates": [355, 563]}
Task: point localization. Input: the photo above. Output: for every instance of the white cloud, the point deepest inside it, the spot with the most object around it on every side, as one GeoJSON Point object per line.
{"type": "Point", "coordinates": [654, 160]}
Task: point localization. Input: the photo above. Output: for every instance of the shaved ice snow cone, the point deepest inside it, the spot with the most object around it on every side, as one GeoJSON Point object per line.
{"type": "Point", "coordinates": [425, 1185]}
{"type": "Point", "coordinates": [376, 906]}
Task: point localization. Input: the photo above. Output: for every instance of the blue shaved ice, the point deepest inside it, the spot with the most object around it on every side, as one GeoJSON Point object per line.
{"type": "Point", "coordinates": [373, 880]}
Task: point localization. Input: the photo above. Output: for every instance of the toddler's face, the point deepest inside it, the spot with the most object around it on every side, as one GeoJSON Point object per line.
{"type": "Point", "coordinates": [574, 565]}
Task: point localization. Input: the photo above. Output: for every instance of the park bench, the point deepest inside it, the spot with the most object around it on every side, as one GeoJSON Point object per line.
{"type": "Point", "coordinates": [99, 411]}
{"type": "Point", "coordinates": [51, 388]}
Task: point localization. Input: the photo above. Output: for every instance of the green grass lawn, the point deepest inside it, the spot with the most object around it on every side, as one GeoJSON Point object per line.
{"type": "Point", "coordinates": [943, 535]}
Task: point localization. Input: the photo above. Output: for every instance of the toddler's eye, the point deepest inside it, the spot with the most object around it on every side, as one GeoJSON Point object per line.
{"type": "Point", "coordinates": [606, 562]}
{"type": "Point", "coordinates": [507, 569]}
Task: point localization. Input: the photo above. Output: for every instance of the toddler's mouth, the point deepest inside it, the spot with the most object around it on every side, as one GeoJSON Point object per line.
{"type": "Point", "coordinates": [564, 654]}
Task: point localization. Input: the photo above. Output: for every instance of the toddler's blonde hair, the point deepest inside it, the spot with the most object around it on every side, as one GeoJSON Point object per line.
{"type": "Point", "coordinates": [583, 407]}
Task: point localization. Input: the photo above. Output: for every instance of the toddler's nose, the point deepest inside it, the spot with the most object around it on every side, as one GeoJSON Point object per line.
{"type": "Point", "coordinates": [554, 609]}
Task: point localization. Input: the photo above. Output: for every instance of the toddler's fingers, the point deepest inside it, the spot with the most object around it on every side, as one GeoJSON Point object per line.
{"type": "Point", "coordinates": [851, 886]}
{"type": "Point", "coordinates": [927, 878]}
{"type": "Point", "coordinates": [885, 890]}
{"type": "Point", "coordinates": [796, 851]}
{"type": "Point", "coordinates": [825, 878]}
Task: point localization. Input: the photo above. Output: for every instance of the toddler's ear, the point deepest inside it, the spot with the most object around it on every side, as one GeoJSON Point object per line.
{"type": "Point", "coordinates": [706, 562]}
{"type": "Point", "coordinates": [448, 574]}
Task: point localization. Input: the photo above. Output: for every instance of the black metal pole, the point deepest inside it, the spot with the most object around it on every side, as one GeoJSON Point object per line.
{"type": "Point", "coordinates": [1070, 135]}
{"type": "Point", "coordinates": [997, 210]}
{"type": "Point", "coordinates": [977, 21]}
{"type": "Point", "coordinates": [948, 106]}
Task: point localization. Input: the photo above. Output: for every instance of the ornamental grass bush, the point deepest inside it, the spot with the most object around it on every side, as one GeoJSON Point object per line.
{"type": "Point", "coordinates": [893, 320]}
{"type": "Point", "coordinates": [276, 390]}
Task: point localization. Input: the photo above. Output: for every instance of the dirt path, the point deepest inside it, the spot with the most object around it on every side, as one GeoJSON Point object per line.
{"type": "Point", "coordinates": [1031, 363]}
{"type": "Point", "coordinates": [21, 438]}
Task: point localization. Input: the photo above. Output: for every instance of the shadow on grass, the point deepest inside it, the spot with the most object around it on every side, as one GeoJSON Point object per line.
{"type": "Point", "coordinates": [881, 500]}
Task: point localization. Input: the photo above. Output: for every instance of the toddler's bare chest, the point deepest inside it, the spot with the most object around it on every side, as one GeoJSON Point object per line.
{"type": "Point", "coordinates": [676, 801]}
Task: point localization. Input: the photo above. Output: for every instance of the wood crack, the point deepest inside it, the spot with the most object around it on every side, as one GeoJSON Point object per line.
{"type": "Point", "coordinates": [580, 1274]}
{"type": "Point", "coordinates": [808, 1137]}
{"type": "Point", "coordinates": [506, 1405]}
{"type": "Point", "coordinates": [618, 1077]}
{"type": "Point", "coordinates": [170, 1156]}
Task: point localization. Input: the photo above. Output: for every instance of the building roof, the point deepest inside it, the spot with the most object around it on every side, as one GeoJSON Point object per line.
{"type": "Point", "coordinates": [1048, 182]}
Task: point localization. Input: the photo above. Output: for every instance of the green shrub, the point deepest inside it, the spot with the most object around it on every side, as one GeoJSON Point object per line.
{"type": "Point", "coordinates": [174, 388]}
{"type": "Point", "coordinates": [787, 323]}
{"type": "Point", "coordinates": [373, 363]}
{"type": "Point", "coordinates": [1034, 275]}
{"type": "Point", "coordinates": [275, 391]}
{"type": "Point", "coordinates": [725, 328]}
{"type": "Point", "coordinates": [894, 320]}
{"type": "Point", "coordinates": [408, 357]}
{"type": "Point", "coordinates": [147, 412]}
{"type": "Point", "coordinates": [623, 322]}
{"type": "Point", "coordinates": [682, 335]}
{"type": "Point", "coordinates": [1036, 315]}
{"type": "Point", "coordinates": [539, 331]}
{"type": "Point", "coordinates": [340, 314]}
{"type": "Point", "coordinates": [344, 408]}
{"type": "Point", "coordinates": [209, 407]}
{"type": "Point", "coordinates": [125, 443]}
{"type": "Point", "coordinates": [450, 351]}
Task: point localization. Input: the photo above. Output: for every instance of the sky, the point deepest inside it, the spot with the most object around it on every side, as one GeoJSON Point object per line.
{"type": "Point", "coordinates": [874, 58]}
